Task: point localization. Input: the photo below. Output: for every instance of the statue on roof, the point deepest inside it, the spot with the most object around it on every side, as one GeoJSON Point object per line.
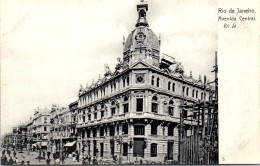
{"type": "Point", "coordinates": [179, 68]}
{"type": "Point", "coordinates": [107, 71]}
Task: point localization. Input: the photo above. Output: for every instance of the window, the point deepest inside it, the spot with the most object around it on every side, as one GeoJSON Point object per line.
{"type": "Point", "coordinates": [154, 129]}
{"type": "Point", "coordinates": [183, 90]}
{"type": "Point", "coordinates": [169, 85]}
{"type": "Point", "coordinates": [89, 117]}
{"type": "Point", "coordinates": [187, 91]}
{"type": "Point", "coordinates": [184, 113]}
{"type": "Point", "coordinates": [201, 95]}
{"type": "Point", "coordinates": [84, 118]}
{"type": "Point", "coordinates": [173, 87]}
{"type": "Point", "coordinates": [112, 130]}
{"type": "Point", "coordinates": [45, 128]}
{"type": "Point", "coordinates": [139, 105]}
{"type": "Point", "coordinates": [158, 82]}
{"type": "Point", "coordinates": [155, 107]}
{"type": "Point", "coordinates": [153, 150]}
{"type": "Point", "coordinates": [125, 149]}
{"type": "Point", "coordinates": [154, 104]}
{"type": "Point", "coordinates": [193, 92]}
{"type": "Point", "coordinates": [127, 80]}
{"type": "Point", "coordinates": [113, 111]}
{"type": "Point", "coordinates": [117, 129]}
{"type": "Point", "coordinates": [95, 115]}
{"type": "Point", "coordinates": [88, 133]}
{"type": "Point", "coordinates": [139, 130]}
{"type": "Point", "coordinates": [170, 130]}
{"type": "Point", "coordinates": [171, 109]}
{"type": "Point", "coordinates": [102, 114]}
{"type": "Point", "coordinates": [125, 128]}
{"type": "Point", "coordinates": [152, 80]}
{"type": "Point", "coordinates": [94, 132]}
{"type": "Point", "coordinates": [101, 131]}
{"type": "Point", "coordinates": [123, 82]}
{"type": "Point", "coordinates": [125, 108]}
{"type": "Point", "coordinates": [196, 94]}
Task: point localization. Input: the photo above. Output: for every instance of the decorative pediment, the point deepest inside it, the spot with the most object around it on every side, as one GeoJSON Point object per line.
{"type": "Point", "coordinates": [140, 64]}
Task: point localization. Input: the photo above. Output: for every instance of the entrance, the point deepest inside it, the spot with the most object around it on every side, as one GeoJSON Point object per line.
{"type": "Point", "coordinates": [170, 151]}
{"type": "Point", "coordinates": [138, 147]}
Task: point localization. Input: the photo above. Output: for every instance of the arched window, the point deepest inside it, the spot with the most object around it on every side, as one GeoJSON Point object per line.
{"type": "Point", "coordinates": [158, 82]}
{"type": "Point", "coordinates": [201, 95]}
{"type": "Point", "coordinates": [173, 87]}
{"type": "Point", "coordinates": [152, 80]}
{"type": "Point", "coordinates": [187, 91]}
{"type": "Point", "coordinates": [154, 104]}
{"type": "Point", "coordinates": [193, 92]}
{"type": "Point", "coordinates": [171, 108]}
{"type": "Point", "coordinates": [196, 94]}
{"type": "Point", "coordinates": [153, 150]}
{"type": "Point", "coordinates": [169, 85]}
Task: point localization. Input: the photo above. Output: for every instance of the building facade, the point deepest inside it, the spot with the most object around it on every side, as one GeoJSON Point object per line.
{"type": "Point", "coordinates": [134, 111]}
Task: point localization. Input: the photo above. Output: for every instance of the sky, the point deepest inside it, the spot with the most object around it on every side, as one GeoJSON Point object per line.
{"type": "Point", "coordinates": [50, 47]}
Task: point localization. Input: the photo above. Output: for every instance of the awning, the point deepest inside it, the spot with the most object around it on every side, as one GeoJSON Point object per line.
{"type": "Point", "coordinates": [44, 143]}
{"type": "Point", "coordinates": [69, 144]}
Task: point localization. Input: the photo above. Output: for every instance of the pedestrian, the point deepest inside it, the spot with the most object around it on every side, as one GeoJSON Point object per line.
{"type": "Point", "coordinates": [48, 150]}
{"type": "Point", "coordinates": [16, 161]}
{"type": "Point", "coordinates": [84, 161]}
{"type": "Point", "coordinates": [28, 148]}
{"type": "Point", "coordinates": [43, 154]}
{"type": "Point", "coordinates": [22, 162]}
{"type": "Point", "coordinates": [28, 163]}
{"type": "Point", "coordinates": [11, 161]}
{"type": "Point", "coordinates": [8, 152]}
{"type": "Point", "coordinates": [3, 152]}
{"type": "Point", "coordinates": [48, 161]}
{"type": "Point", "coordinates": [95, 161]}
{"type": "Point", "coordinates": [89, 159]}
{"type": "Point", "coordinates": [141, 161]}
{"type": "Point", "coordinates": [14, 154]}
{"type": "Point", "coordinates": [4, 160]}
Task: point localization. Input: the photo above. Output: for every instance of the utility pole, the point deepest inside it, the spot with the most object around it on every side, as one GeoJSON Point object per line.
{"type": "Point", "coordinates": [181, 127]}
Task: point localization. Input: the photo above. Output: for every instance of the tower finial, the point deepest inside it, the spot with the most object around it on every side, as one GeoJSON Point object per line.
{"type": "Point", "coordinates": [142, 10]}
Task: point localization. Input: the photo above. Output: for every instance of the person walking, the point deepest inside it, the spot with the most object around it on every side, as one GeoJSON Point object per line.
{"type": "Point", "coordinates": [14, 154]}
{"type": "Point", "coordinates": [11, 161]}
{"type": "Point", "coordinates": [28, 148]}
{"type": "Point", "coordinates": [8, 152]}
{"type": "Point", "coordinates": [89, 159]}
{"type": "Point", "coordinates": [48, 150]}
{"type": "Point", "coordinates": [43, 153]}
{"type": "Point", "coordinates": [95, 161]}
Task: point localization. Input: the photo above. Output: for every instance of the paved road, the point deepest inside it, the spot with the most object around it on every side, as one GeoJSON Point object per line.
{"type": "Point", "coordinates": [32, 157]}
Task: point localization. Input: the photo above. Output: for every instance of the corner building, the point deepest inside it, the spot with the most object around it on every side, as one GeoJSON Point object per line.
{"type": "Point", "coordinates": [134, 111]}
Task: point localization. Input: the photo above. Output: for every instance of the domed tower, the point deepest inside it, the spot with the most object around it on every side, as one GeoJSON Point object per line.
{"type": "Point", "coordinates": [142, 43]}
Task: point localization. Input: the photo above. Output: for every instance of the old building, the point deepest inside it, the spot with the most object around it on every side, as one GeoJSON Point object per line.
{"type": "Point", "coordinates": [61, 131]}
{"type": "Point", "coordinates": [134, 111]}
{"type": "Point", "coordinates": [40, 130]}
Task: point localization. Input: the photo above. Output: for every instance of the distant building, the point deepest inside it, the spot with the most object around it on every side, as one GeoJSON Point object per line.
{"type": "Point", "coordinates": [40, 130]}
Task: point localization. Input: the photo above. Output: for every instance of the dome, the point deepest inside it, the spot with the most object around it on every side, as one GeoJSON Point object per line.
{"type": "Point", "coordinates": [144, 36]}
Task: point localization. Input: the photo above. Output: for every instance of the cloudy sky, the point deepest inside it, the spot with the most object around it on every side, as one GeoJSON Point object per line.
{"type": "Point", "coordinates": [50, 47]}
